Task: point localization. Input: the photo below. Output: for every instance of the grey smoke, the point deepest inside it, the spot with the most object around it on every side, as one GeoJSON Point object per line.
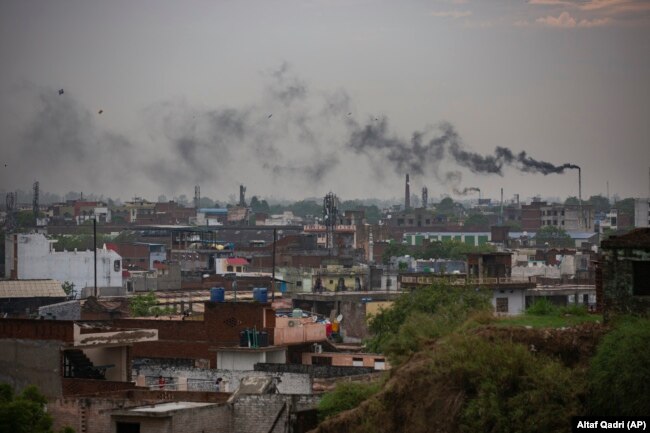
{"type": "Point", "coordinates": [423, 157]}
{"type": "Point", "coordinates": [466, 191]}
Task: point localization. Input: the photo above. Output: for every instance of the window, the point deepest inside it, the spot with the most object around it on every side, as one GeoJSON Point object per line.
{"type": "Point", "coordinates": [127, 427]}
{"type": "Point", "coordinates": [117, 266]}
{"type": "Point", "coordinates": [357, 362]}
{"type": "Point", "coordinates": [502, 305]}
{"type": "Point", "coordinates": [321, 360]}
{"type": "Point", "coordinates": [641, 278]}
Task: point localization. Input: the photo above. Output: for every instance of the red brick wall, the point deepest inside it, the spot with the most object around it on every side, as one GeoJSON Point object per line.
{"type": "Point", "coordinates": [61, 330]}
{"type": "Point", "coordinates": [221, 325]}
{"type": "Point", "coordinates": [91, 386]}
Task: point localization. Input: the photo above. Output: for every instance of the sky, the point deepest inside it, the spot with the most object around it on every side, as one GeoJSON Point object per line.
{"type": "Point", "coordinates": [297, 98]}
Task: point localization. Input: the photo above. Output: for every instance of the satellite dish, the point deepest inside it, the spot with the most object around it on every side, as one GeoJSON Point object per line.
{"type": "Point", "coordinates": [314, 319]}
{"type": "Point", "coordinates": [339, 317]}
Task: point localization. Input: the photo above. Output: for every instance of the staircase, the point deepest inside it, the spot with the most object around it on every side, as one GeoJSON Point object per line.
{"type": "Point", "coordinates": [76, 364]}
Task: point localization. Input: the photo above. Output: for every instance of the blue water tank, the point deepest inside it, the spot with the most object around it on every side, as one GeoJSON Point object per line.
{"type": "Point", "coordinates": [262, 295]}
{"type": "Point", "coordinates": [256, 295]}
{"type": "Point", "coordinates": [217, 294]}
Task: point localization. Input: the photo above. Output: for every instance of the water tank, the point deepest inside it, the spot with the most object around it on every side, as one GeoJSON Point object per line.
{"type": "Point", "coordinates": [243, 338]}
{"type": "Point", "coordinates": [263, 339]}
{"type": "Point", "coordinates": [335, 327]}
{"type": "Point", "coordinates": [256, 294]}
{"type": "Point", "coordinates": [217, 294]}
{"type": "Point", "coordinates": [296, 313]}
{"type": "Point", "coordinates": [262, 295]}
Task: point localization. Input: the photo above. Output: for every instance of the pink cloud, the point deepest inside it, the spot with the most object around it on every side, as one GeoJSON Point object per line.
{"type": "Point", "coordinates": [566, 21]}
{"type": "Point", "coordinates": [451, 14]}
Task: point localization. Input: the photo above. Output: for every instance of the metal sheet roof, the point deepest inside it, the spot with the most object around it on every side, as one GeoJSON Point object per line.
{"type": "Point", "coordinates": [31, 289]}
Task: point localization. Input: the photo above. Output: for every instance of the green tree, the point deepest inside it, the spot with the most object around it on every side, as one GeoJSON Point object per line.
{"type": "Point", "coordinates": [626, 205]}
{"type": "Point", "coordinates": [68, 288]}
{"type": "Point", "coordinates": [395, 250]}
{"type": "Point", "coordinates": [24, 413]}
{"type": "Point", "coordinates": [572, 201]}
{"type": "Point", "coordinates": [433, 311]}
{"type": "Point", "coordinates": [477, 220]}
{"type": "Point", "coordinates": [344, 397]}
{"type": "Point", "coordinates": [143, 305]}
{"type": "Point", "coordinates": [553, 236]}
{"type": "Point", "coordinates": [619, 374]}
{"type": "Point", "coordinates": [445, 206]}
{"type": "Point", "coordinates": [259, 206]}
{"type": "Point", "coordinates": [599, 203]}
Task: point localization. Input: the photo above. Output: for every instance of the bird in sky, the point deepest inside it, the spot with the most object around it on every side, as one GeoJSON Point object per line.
{"type": "Point", "coordinates": [61, 92]}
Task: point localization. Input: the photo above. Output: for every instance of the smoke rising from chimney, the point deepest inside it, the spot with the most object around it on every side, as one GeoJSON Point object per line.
{"type": "Point", "coordinates": [289, 134]}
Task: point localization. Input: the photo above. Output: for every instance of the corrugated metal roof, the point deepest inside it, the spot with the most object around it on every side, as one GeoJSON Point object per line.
{"type": "Point", "coordinates": [31, 288]}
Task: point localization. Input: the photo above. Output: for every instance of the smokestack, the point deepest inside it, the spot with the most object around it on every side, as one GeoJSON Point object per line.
{"type": "Point", "coordinates": [425, 197]}
{"type": "Point", "coordinates": [407, 195]}
{"type": "Point", "coordinates": [242, 196]}
{"type": "Point", "coordinates": [582, 215]}
{"type": "Point", "coordinates": [501, 211]}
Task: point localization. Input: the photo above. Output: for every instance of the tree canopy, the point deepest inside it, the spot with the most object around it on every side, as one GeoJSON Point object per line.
{"type": "Point", "coordinates": [24, 412]}
{"type": "Point", "coordinates": [553, 236]}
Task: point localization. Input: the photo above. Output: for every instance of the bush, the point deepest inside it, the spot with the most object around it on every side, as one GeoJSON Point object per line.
{"type": "Point", "coordinates": [619, 374]}
{"type": "Point", "coordinates": [574, 310]}
{"type": "Point", "coordinates": [507, 388]}
{"type": "Point", "coordinates": [345, 396]}
{"type": "Point", "coordinates": [448, 307]}
{"type": "Point", "coordinates": [542, 307]}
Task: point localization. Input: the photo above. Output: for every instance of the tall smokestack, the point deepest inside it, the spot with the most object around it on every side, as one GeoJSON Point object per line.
{"type": "Point", "coordinates": [582, 215]}
{"type": "Point", "coordinates": [425, 197]}
{"type": "Point", "coordinates": [501, 211]}
{"type": "Point", "coordinates": [407, 194]}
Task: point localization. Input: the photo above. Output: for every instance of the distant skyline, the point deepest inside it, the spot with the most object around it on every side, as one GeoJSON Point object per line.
{"type": "Point", "coordinates": [297, 98]}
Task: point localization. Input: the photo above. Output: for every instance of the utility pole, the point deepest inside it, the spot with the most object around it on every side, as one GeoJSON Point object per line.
{"type": "Point", "coordinates": [95, 252]}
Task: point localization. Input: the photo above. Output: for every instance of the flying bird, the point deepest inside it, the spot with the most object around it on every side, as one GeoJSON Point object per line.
{"type": "Point", "coordinates": [100, 111]}
{"type": "Point", "coordinates": [270, 116]}
{"type": "Point", "coordinates": [61, 92]}
{"type": "Point", "coordinates": [349, 114]}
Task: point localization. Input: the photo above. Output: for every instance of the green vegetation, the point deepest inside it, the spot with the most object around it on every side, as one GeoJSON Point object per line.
{"type": "Point", "coordinates": [477, 220]}
{"type": "Point", "coordinates": [553, 236]}
{"type": "Point", "coordinates": [544, 314]}
{"type": "Point", "coordinates": [146, 305]}
{"type": "Point", "coordinates": [68, 288]}
{"type": "Point", "coordinates": [619, 374]}
{"type": "Point", "coordinates": [548, 321]}
{"type": "Point", "coordinates": [346, 396]}
{"type": "Point", "coordinates": [422, 315]}
{"type": "Point", "coordinates": [447, 249]}
{"type": "Point", "coordinates": [25, 413]}
{"type": "Point", "coordinates": [508, 389]}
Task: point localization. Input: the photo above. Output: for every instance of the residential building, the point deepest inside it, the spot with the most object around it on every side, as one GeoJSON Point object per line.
{"type": "Point", "coordinates": [31, 256]}
{"type": "Point", "coordinates": [642, 212]}
{"type": "Point", "coordinates": [623, 275]}
{"type": "Point", "coordinates": [23, 298]}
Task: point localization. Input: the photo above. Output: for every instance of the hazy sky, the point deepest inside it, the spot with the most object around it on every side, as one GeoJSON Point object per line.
{"type": "Point", "coordinates": [296, 98]}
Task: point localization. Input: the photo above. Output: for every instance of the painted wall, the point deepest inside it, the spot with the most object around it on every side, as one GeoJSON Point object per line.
{"type": "Point", "coordinates": [37, 260]}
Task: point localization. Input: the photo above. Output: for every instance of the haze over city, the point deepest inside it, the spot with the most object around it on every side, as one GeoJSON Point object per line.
{"type": "Point", "coordinates": [295, 98]}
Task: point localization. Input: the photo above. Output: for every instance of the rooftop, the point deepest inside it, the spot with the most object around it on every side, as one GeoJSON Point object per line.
{"type": "Point", "coordinates": [31, 289]}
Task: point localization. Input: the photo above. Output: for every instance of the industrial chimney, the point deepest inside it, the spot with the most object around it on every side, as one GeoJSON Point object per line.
{"type": "Point", "coordinates": [425, 197]}
{"type": "Point", "coordinates": [407, 195]}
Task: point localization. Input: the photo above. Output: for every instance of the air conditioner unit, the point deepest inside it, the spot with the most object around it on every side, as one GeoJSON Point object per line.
{"type": "Point", "coordinates": [293, 323]}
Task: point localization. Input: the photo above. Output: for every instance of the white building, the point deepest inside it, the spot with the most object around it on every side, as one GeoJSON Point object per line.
{"type": "Point", "coordinates": [642, 212]}
{"type": "Point", "coordinates": [32, 256]}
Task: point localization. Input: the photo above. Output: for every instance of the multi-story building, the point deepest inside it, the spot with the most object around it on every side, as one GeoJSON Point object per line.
{"type": "Point", "coordinates": [31, 256]}
{"type": "Point", "coordinates": [642, 212]}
